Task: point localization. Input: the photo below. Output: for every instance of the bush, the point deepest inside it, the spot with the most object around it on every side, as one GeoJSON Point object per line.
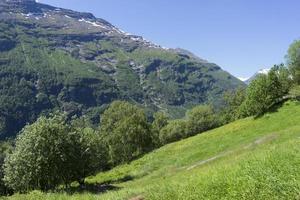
{"type": "Point", "coordinates": [90, 151]}
{"type": "Point", "coordinates": [5, 148]}
{"type": "Point", "coordinates": [199, 119]}
{"type": "Point", "coordinates": [49, 153]}
{"type": "Point", "coordinates": [232, 102]}
{"type": "Point", "coordinates": [174, 131]}
{"type": "Point", "coordinates": [295, 92]}
{"type": "Point", "coordinates": [265, 91]}
{"type": "Point", "coordinates": [41, 159]}
{"type": "Point", "coordinates": [160, 121]}
{"type": "Point", "coordinates": [126, 132]}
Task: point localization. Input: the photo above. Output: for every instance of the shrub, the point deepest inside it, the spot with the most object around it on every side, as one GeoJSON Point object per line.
{"type": "Point", "coordinates": [126, 132]}
{"type": "Point", "coordinates": [41, 159]}
{"type": "Point", "coordinates": [174, 131]}
{"type": "Point", "coordinates": [295, 92]}
{"type": "Point", "coordinates": [265, 91]}
{"type": "Point", "coordinates": [90, 151]}
{"type": "Point", "coordinates": [5, 148]}
{"type": "Point", "coordinates": [199, 119]}
{"type": "Point", "coordinates": [50, 152]}
{"type": "Point", "coordinates": [160, 121]}
{"type": "Point", "coordinates": [232, 102]}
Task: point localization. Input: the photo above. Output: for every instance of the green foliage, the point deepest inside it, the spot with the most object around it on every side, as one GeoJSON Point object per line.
{"type": "Point", "coordinates": [232, 102]}
{"type": "Point", "coordinates": [42, 157]}
{"type": "Point", "coordinates": [201, 118]}
{"type": "Point", "coordinates": [89, 149]}
{"type": "Point", "coordinates": [173, 131]}
{"type": "Point", "coordinates": [198, 119]}
{"type": "Point", "coordinates": [76, 71]}
{"type": "Point", "coordinates": [293, 60]}
{"type": "Point", "coordinates": [295, 92]}
{"type": "Point", "coordinates": [257, 99]}
{"type": "Point", "coordinates": [5, 148]}
{"type": "Point", "coordinates": [49, 153]}
{"type": "Point", "coordinates": [159, 122]}
{"type": "Point", "coordinates": [265, 91]}
{"type": "Point", "coordinates": [126, 131]}
{"type": "Point", "coordinates": [247, 159]}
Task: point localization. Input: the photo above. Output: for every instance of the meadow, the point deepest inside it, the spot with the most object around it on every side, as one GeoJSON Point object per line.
{"type": "Point", "coordinates": [247, 159]}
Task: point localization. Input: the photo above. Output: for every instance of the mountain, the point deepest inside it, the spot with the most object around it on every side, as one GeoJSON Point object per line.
{"type": "Point", "coordinates": [262, 71]}
{"type": "Point", "coordinates": [247, 159]}
{"type": "Point", "coordinates": [58, 59]}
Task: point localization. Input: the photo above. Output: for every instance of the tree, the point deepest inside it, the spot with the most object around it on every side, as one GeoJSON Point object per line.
{"type": "Point", "coordinates": [293, 60]}
{"type": "Point", "coordinates": [160, 121]}
{"type": "Point", "coordinates": [295, 92]}
{"type": "Point", "coordinates": [232, 102]}
{"type": "Point", "coordinates": [126, 132]}
{"type": "Point", "coordinates": [41, 158]}
{"type": "Point", "coordinates": [90, 150]}
{"type": "Point", "coordinates": [257, 99]}
{"type": "Point", "coordinates": [265, 91]}
{"type": "Point", "coordinates": [173, 131]}
{"type": "Point", "coordinates": [51, 152]}
{"type": "Point", "coordinates": [5, 148]}
{"type": "Point", "coordinates": [201, 118]}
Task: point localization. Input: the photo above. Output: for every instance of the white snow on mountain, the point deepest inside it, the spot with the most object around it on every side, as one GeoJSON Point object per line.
{"type": "Point", "coordinates": [261, 71]}
{"type": "Point", "coordinates": [243, 78]}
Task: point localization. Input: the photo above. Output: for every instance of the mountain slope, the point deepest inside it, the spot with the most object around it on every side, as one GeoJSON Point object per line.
{"type": "Point", "coordinates": [59, 59]}
{"type": "Point", "coordinates": [247, 159]}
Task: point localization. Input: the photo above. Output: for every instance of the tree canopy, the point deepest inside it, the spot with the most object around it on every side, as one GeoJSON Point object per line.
{"type": "Point", "coordinates": [126, 131]}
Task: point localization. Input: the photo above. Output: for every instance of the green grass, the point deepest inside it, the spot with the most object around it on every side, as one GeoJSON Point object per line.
{"type": "Point", "coordinates": [247, 159]}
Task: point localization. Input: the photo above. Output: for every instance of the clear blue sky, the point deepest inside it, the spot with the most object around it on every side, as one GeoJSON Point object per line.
{"type": "Point", "coordinates": [239, 35]}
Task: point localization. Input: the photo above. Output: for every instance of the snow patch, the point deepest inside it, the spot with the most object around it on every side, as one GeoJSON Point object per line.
{"type": "Point", "coordinates": [27, 15]}
{"type": "Point", "coordinates": [92, 23]}
{"type": "Point", "coordinates": [121, 31]}
{"type": "Point", "coordinates": [243, 79]}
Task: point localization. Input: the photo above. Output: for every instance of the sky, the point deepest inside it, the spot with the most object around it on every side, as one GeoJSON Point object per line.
{"type": "Point", "coordinates": [240, 36]}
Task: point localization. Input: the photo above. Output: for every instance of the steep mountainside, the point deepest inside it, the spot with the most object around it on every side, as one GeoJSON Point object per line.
{"type": "Point", "coordinates": [58, 59]}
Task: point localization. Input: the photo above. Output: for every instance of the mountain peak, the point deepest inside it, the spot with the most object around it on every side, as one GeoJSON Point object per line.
{"type": "Point", "coordinates": [261, 71]}
{"type": "Point", "coordinates": [19, 1]}
{"type": "Point", "coordinates": [79, 64]}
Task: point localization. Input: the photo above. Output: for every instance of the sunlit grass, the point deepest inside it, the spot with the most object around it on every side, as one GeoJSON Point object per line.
{"type": "Point", "coordinates": [247, 159]}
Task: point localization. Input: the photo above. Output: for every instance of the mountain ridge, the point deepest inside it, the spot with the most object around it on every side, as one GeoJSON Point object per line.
{"type": "Point", "coordinates": [58, 59]}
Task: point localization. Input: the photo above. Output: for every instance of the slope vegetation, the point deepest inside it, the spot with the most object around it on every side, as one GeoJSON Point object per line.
{"type": "Point", "coordinates": [58, 59]}
{"type": "Point", "coordinates": [247, 159]}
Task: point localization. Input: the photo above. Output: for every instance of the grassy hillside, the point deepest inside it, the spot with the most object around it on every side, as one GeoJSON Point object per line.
{"type": "Point", "coordinates": [247, 159]}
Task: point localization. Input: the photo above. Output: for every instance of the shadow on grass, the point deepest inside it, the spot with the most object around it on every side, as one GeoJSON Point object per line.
{"type": "Point", "coordinates": [94, 188]}
{"type": "Point", "coordinates": [274, 108]}
{"type": "Point", "coordinates": [120, 180]}
{"type": "Point", "coordinates": [115, 180]}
